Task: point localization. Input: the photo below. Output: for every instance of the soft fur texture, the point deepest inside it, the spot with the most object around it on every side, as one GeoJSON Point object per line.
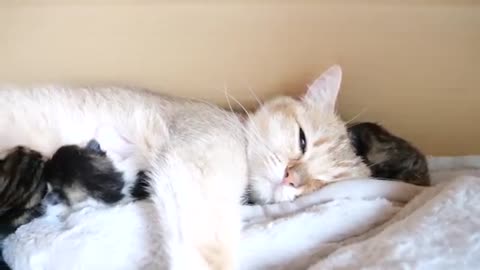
{"type": "Point", "coordinates": [388, 156]}
{"type": "Point", "coordinates": [200, 156]}
{"type": "Point", "coordinates": [76, 173]}
{"type": "Point", "coordinates": [30, 183]}
{"type": "Point", "coordinates": [274, 152]}
{"type": "Point", "coordinates": [195, 151]}
{"type": "Point", "coordinates": [346, 216]}
{"type": "Point", "coordinates": [371, 224]}
{"type": "Point", "coordinates": [21, 187]}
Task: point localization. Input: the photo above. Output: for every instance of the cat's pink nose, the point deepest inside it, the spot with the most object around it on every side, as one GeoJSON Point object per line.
{"type": "Point", "coordinates": [290, 178]}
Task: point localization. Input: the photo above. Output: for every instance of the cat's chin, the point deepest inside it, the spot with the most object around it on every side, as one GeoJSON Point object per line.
{"type": "Point", "coordinates": [268, 193]}
{"type": "Point", "coordinates": [285, 194]}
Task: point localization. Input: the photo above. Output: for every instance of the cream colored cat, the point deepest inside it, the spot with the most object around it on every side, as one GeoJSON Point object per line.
{"type": "Point", "coordinates": [297, 146]}
{"type": "Point", "coordinates": [200, 156]}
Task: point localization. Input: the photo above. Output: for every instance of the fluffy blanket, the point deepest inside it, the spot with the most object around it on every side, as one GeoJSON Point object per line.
{"type": "Point", "coordinates": [371, 224]}
{"type": "Point", "coordinates": [358, 224]}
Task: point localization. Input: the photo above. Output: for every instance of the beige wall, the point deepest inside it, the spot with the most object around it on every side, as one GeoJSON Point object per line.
{"type": "Point", "coordinates": [414, 65]}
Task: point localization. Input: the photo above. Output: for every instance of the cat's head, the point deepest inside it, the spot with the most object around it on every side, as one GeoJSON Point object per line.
{"type": "Point", "coordinates": [296, 146]}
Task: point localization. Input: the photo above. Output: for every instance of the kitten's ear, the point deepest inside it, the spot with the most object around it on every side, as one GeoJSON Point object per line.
{"type": "Point", "coordinates": [94, 146]}
{"type": "Point", "coordinates": [324, 90]}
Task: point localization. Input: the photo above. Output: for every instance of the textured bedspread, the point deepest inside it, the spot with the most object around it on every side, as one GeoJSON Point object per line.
{"type": "Point", "coordinates": [358, 224]}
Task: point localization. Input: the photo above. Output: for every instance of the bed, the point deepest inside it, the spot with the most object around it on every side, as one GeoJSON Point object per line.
{"type": "Point", "coordinates": [358, 224]}
{"type": "Point", "coordinates": [372, 225]}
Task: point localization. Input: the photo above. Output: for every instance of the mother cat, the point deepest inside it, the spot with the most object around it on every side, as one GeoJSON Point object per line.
{"type": "Point", "coordinates": [201, 158]}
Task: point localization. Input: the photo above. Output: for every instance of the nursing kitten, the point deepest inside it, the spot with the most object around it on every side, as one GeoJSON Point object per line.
{"type": "Point", "coordinates": [76, 173]}
{"type": "Point", "coordinates": [22, 187]}
{"type": "Point", "coordinates": [201, 157]}
{"type": "Point", "coordinates": [72, 175]}
{"type": "Point", "coordinates": [388, 156]}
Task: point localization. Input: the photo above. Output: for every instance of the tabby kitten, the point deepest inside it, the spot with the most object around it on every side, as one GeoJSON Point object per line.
{"type": "Point", "coordinates": [22, 187]}
{"type": "Point", "coordinates": [72, 175]}
{"type": "Point", "coordinates": [388, 156]}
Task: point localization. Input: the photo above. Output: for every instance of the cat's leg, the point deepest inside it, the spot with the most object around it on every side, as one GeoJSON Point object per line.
{"type": "Point", "coordinates": [198, 201]}
{"type": "Point", "coordinates": [224, 183]}
{"type": "Point", "coordinates": [222, 252]}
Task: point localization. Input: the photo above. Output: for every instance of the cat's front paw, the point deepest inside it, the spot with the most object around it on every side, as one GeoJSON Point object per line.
{"type": "Point", "coordinates": [285, 194]}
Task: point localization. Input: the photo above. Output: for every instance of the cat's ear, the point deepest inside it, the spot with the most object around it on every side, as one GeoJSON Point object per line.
{"type": "Point", "coordinates": [324, 90]}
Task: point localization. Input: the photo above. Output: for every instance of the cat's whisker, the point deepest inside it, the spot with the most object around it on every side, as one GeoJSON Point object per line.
{"type": "Point", "coordinates": [254, 127]}
{"type": "Point", "coordinates": [356, 116]}
{"type": "Point", "coordinates": [271, 168]}
{"type": "Point", "coordinates": [373, 164]}
{"type": "Point", "coordinates": [227, 97]}
{"type": "Point", "coordinates": [252, 135]}
{"type": "Point", "coordinates": [271, 159]}
{"type": "Point", "coordinates": [267, 152]}
{"type": "Point", "coordinates": [255, 137]}
{"type": "Point", "coordinates": [245, 130]}
{"type": "Point", "coordinates": [276, 156]}
{"type": "Point", "coordinates": [203, 101]}
{"type": "Point", "coordinates": [228, 101]}
{"type": "Point", "coordinates": [239, 104]}
{"type": "Point", "coordinates": [270, 156]}
{"type": "Point", "coordinates": [259, 101]}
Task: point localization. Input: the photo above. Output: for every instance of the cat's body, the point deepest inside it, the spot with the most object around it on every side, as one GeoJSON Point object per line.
{"type": "Point", "coordinates": [200, 157]}
{"type": "Point", "coordinates": [195, 152]}
{"type": "Point", "coordinates": [388, 156]}
{"type": "Point", "coordinates": [31, 183]}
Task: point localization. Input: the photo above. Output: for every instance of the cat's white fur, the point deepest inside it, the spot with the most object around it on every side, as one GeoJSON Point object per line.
{"type": "Point", "coordinates": [200, 157]}
{"type": "Point", "coordinates": [274, 143]}
{"type": "Point", "coordinates": [195, 151]}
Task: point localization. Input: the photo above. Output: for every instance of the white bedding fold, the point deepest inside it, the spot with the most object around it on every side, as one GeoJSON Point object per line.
{"type": "Point", "coordinates": [440, 229]}
{"type": "Point", "coordinates": [358, 224]}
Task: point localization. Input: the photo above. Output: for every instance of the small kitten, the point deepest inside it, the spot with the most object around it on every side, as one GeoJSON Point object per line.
{"type": "Point", "coordinates": [76, 173]}
{"type": "Point", "coordinates": [29, 182]}
{"type": "Point", "coordinates": [388, 156]}
{"type": "Point", "coordinates": [22, 187]}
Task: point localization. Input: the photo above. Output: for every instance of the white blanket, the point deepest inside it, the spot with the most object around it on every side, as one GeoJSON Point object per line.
{"type": "Point", "coordinates": [366, 225]}
{"type": "Point", "coordinates": [361, 224]}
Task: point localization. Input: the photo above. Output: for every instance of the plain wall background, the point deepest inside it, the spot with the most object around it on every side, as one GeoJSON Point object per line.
{"type": "Point", "coordinates": [412, 65]}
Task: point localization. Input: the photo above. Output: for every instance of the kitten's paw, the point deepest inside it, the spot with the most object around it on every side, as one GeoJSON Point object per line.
{"type": "Point", "coordinates": [57, 211]}
{"type": "Point", "coordinates": [54, 198]}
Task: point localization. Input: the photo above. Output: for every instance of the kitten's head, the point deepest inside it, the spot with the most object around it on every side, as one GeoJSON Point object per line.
{"type": "Point", "coordinates": [77, 172]}
{"type": "Point", "coordinates": [297, 146]}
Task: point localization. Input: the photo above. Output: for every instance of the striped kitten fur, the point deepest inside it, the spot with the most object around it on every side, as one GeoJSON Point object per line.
{"type": "Point", "coordinates": [29, 182]}
{"type": "Point", "coordinates": [388, 156]}
{"type": "Point", "coordinates": [22, 187]}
